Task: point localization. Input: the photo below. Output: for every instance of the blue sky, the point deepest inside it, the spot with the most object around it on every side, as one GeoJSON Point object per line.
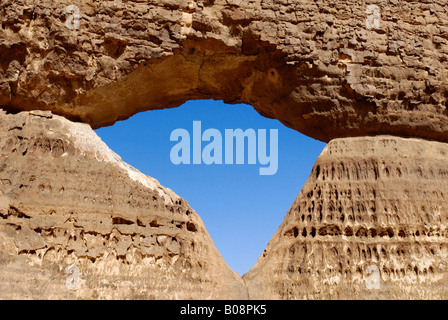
{"type": "Point", "coordinates": [240, 208]}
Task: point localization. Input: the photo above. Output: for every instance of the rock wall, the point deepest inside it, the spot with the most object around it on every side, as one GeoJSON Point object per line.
{"type": "Point", "coordinates": [370, 223]}
{"type": "Point", "coordinates": [324, 68]}
{"type": "Point", "coordinates": [77, 222]}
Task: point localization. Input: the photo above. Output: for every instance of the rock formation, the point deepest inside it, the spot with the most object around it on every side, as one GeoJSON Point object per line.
{"type": "Point", "coordinates": [67, 200]}
{"type": "Point", "coordinates": [317, 66]}
{"type": "Point", "coordinates": [376, 204]}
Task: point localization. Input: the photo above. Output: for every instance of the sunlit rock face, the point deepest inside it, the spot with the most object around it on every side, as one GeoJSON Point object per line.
{"type": "Point", "coordinates": [326, 68]}
{"type": "Point", "coordinates": [370, 223]}
{"type": "Point", "coordinates": [78, 222]}
{"type": "Point", "coordinates": [370, 79]}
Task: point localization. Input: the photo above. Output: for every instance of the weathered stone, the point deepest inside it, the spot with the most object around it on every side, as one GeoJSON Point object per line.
{"type": "Point", "coordinates": [67, 199]}
{"type": "Point", "coordinates": [317, 66]}
{"type": "Point", "coordinates": [378, 203]}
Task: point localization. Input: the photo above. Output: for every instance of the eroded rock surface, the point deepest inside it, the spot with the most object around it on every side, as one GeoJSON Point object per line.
{"type": "Point", "coordinates": [371, 205]}
{"type": "Point", "coordinates": [67, 200]}
{"type": "Point", "coordinates": [317, 66]}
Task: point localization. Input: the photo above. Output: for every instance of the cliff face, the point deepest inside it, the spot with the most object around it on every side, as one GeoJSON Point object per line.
{"type": "Point", "coordinates": [68, 201]}
{"type": "Point", "coordinates": [374, 210]}
{"type": "Point", "coordinates": [370, 223]}
{"type": "Point", "coordinates": [328, 69]}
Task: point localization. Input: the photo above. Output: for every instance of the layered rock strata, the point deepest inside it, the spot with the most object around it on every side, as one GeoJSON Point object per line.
{"type": "Point", "coordinates": [78, 222]}
{"type": "Point", "coordinates": [370, 223]}
{"type": "Point", "coordinates": [329, 69]}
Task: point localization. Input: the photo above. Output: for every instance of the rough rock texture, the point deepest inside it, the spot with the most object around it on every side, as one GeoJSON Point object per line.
{"type": "Point", "coordinates": [314, 65]}
{"type": "Point", "coordinates": [379, 201]}
{"type": "Point", "coordinates": [66, 199]}
{"type": "Point", "coordinates": [317, 66]}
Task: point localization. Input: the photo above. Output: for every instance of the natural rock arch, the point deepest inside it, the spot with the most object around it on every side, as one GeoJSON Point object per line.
{"type": "Point", "coordinates": [314, 65]}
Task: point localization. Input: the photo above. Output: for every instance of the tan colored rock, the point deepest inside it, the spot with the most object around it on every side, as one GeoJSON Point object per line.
{"type": "Point", "coordinates": [68, 201]}
{"type": "Point", "coordinates": [317, 66]}
{"type": "Point", "coordinates": [371, 205]}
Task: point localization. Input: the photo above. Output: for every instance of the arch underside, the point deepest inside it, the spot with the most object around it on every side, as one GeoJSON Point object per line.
{"type": "Point", "coordinates": [316, 66]}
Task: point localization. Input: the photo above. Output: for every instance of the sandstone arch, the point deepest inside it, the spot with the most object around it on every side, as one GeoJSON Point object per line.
{"type": "Point", "coordinates": [311, 64]}
{"type": "Point", "coordinates": [314, 65]}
